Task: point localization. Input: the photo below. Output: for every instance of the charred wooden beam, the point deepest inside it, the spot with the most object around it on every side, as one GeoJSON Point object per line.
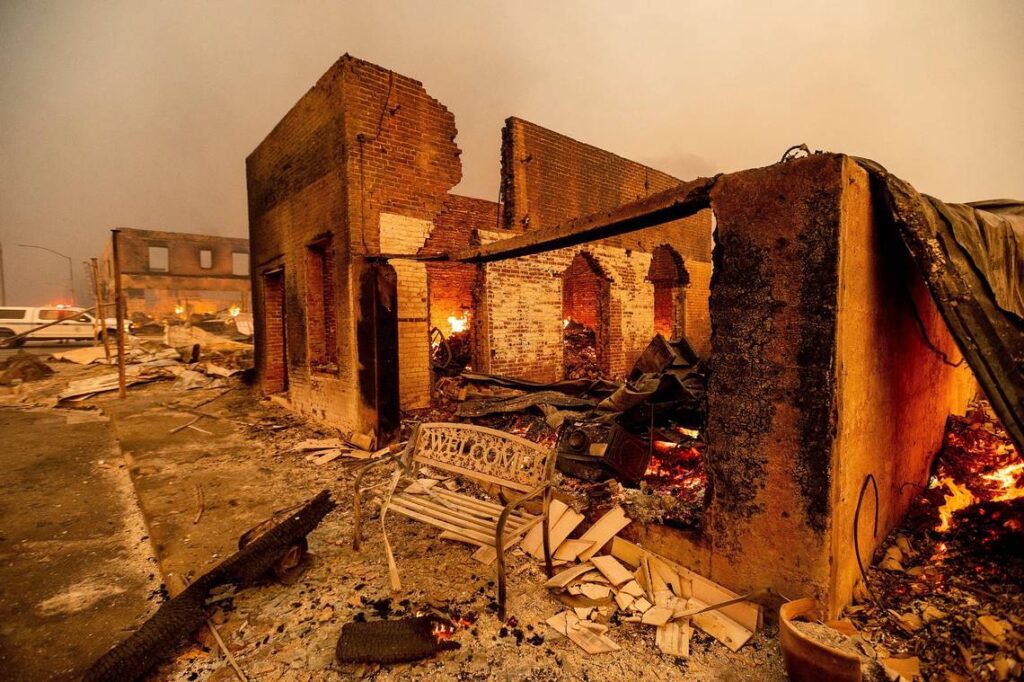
{"type": "Point", "coordinates": [176, 619]}
{"type": "Point", "coordinates": [672, 204]}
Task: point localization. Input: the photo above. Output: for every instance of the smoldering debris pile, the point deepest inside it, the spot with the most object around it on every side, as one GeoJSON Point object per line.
{"type": "Point", "coordinates": [642, 437]}
{"type": "Point", "coordinates": [580, 351]}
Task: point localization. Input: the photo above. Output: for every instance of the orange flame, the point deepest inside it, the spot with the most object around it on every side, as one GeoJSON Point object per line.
{"type": "Point", "coordinates": [459, 324]}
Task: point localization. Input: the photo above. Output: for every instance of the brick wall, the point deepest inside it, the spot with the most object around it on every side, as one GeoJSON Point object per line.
{"type": "Point", "coordinates": [520, 310]}
{"type": "Point", "coordinates": [362, 142]}
{"type": "Point", "coordinates": [275, 369]}
{"type": "Point", "coordinates": [452, 285]}
{"type": "Point", "coordinates": [402, 234]}
{"type": "Point", "coordinates": [549, 178]}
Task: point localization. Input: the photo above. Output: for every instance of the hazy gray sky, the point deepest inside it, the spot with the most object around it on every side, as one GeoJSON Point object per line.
{"type": "Point", "coordinates": [141, 114]}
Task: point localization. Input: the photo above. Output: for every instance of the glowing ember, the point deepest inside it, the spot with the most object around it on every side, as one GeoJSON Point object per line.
{"type": "Point", "coordinates": [234, 311]}
{"type": "Point", "coordinates": [565, 323]}
{"type": "Point", "coordinates": [179, 309]}
{"type": "Point", "coordinates": [459, 324]}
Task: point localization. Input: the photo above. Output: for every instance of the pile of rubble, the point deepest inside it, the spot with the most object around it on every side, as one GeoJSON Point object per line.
{"type": "Point", "coordinates": [22, 367]}
{"type": "Point", "coordinates": [182, 358]}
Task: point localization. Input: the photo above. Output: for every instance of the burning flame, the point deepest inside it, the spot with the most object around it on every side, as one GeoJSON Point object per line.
{"type": "Point", "coordinates": [234, 310]}
{"type": "Point", "coordinates": [179, 309]}
{"type": "Point", "coordinates": [441, 631]}
{"type": "Point", "coordinates": [959, 498]}
{"type": "Point", "coordinates": [1005, 480]}
{"type": "Point", "coordinates": [459, 324]}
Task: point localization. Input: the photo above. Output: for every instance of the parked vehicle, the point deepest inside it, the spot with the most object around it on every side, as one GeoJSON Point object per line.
{"type": "Point", "coordinates": [74, 323]}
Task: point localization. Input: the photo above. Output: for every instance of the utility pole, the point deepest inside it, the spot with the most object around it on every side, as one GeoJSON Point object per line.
{"type": "Point", "coordinates": [100, 314]}
{"type": "Point", "coordinates": [71, 267]}
{"type": "Point", "coordinates": [122, 390]}
{"type": "Point", "coordinates": [3, 286]}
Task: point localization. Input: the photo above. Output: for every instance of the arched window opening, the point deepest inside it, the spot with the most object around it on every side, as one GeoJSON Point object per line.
{"type": "Point", "coordinates": [669, 276]}
{"type": "Point", "coordinates": [586, 289]}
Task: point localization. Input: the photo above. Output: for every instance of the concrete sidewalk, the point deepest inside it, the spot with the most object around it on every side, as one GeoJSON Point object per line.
{"type": "Point", "coordinates": [76, 569]}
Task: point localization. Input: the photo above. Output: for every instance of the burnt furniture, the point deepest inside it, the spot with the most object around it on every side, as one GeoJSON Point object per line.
{"type": "Point", "coordinates": [479, 454]}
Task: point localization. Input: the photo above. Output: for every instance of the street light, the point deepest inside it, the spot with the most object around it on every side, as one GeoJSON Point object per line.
{"type": "Point", "coordinates": [71, 269]}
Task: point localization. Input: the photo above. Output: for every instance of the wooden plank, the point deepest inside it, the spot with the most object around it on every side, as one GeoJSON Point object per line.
{"type": "Point", "coordinates": [482, 505]}
{"type": "Point", "coordinates": [570, 519]}
{"type": "Point", "coordinates": [444, 514]}
{"type": "Point", "coordinates": [724, 629]}
{"type": "Point", "coordinates": [535, 538]}
{"type": "Point", "coordinates": [610, 567]}
{"type": "Point", "coordinates": [633, 589]}
{"type": "Point", "coordinates": [656, 615]}
{"type": "Point", "coordinates": [624, 600]}
{"type": "Point", "coordinates": [570, 549]}
{"type": "Point", "coordinates": [562, 579]}
{"type": "Point", "coordinates": [488, 555]}
{"type": "Point", "coordinates": [482, 538]}
{"type": "Point", "coordinates": [328, 457]}
{"type": "Point", "coordinates": [595, 591]}
{"type": "Point", "coordinates": [604, 530]}
{"type": "Point", "coordinates": [424, 503]}
{"type": "Point", "coordinates": [590, 641]}
{"type": "Point", "coordinates": [747, 614]}
{"type": "Point", "coordinates": [673, 638]}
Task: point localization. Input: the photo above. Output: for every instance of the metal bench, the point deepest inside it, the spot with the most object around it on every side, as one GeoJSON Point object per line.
{"type": "Point", "coordinates": [482, 455]}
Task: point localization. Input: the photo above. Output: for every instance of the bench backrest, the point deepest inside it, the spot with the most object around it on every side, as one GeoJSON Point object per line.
{"type": "Point", "coordinates": [483, 454]}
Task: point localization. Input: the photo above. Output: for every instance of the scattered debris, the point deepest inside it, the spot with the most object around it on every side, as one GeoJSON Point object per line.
{"type": "Point", "coordinates": [179, 617]}
{"type": "Point", "coordinates": [22, 367]}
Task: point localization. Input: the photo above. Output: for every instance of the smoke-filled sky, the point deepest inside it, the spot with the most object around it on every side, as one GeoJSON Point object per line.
{"type": "Point", "coordinates": [140, 114]}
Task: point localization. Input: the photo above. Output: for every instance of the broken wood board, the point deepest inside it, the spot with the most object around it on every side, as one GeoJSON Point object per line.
{"type": "Point", "coordinates": [562, 579]}
{"type": "Point", "coordinates": [724, 629]}
{"type": "Point", "coordinates": [747, 614]}
{"type": "Point", "coordinates": [319, 444]}
{"type": "Point", "coordinates": [534, 540]}
{"type": "Point", "coordinates": [595, 591]}
{"type": "Point", "coordinates": [329, 456]}
{"type": "Point", "coordinates": [610, 568]}
{"type": "Point", "coordinates": [673, 638]}
{"type": "Point", "coordinates": [560, 531]}
{"type": "Point", "coordinates": [587, 637]}
{"type": "Point", "coordinates": [656, 615]}
{"type": "Point", "coordinates": [421, 486]}
{"type": "Point", "coordinates": [570, 549]}
{"type": "Point", "coordinates": [604, 530]}
{"type": "Point", "coordinates": [488, 555]}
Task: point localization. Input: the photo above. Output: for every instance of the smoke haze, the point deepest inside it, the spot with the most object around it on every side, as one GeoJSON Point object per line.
{"type": "Point", "coordinates": [140, 114]}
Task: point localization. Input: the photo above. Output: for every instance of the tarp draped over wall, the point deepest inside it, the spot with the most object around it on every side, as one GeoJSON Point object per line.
{"type": "Point", "coordinates": [972, 259]}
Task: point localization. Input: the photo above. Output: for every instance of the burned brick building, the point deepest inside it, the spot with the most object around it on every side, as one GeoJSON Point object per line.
{"type": "Point", "coordinates": [352, 191]}
{"type": "Point", "coordinates": [830, 361]}
{"type": "Point", "coordinates": [177, 274]}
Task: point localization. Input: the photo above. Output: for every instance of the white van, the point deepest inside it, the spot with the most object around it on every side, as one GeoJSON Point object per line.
{"type": "Point", "coordinates": [74, 324]}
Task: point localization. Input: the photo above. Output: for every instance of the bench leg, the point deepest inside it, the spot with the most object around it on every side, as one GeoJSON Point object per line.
{"type": "Point", "coordinates": [499, 546]}
{"type": "Point", "coordinates": [546, 533]}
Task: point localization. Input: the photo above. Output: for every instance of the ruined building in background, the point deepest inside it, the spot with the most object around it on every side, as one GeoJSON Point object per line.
{"type": "Point", "coordinates": [178, 274]}
{"type": "Point", "coordinates": [351, 212]}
